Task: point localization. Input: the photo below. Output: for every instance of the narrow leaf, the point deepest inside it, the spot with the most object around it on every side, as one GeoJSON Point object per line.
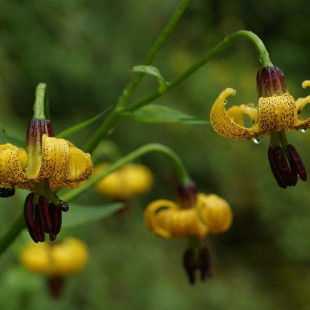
{"type": "Point", "coordinates": [150, 70]}
{"type": "Point", "coordinates": [153, 113]}
{"type": "Point", "coordinates": [79, 215]}
{"type": "Point", "coordinates": [82, 125]}
{"type": "Point", "coordinates": [6, 137]}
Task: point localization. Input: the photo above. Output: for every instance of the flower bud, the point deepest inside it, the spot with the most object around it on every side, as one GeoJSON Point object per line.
{"type": "Point", "coordinates": [127, 182]}
{"type": "Point", "coordinates": [270, 81]}
{"type": "Point", "coordinates": [187, 195]}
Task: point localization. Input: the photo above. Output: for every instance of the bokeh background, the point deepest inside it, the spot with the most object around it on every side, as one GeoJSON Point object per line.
{"type": "Point", "coordinates": [84, 51]}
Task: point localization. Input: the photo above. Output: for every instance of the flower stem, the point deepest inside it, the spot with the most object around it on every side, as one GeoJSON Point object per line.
{"type": "Point", "coordinates": [152, 147]}
{"type": "Point", "coordinates": [40, 106]}
{"type": "Point", "coordinates": [242, 34]}
{"type": "Point", "coordinates": [12, 233]}
{"type": "Point", "coordinates": [114, 116]}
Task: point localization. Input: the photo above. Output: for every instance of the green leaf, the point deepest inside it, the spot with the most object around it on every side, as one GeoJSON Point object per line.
{"type": "Point", "coordinates": [6, 137]}
{"type": "Point", "coordinates": [79, 215]}
{"type": "Point", "coordinates": [153, 113]}
{"type": "Point", "coordinates": [82, 125]}
{"type": "Point", "coordinates": [150, 70]}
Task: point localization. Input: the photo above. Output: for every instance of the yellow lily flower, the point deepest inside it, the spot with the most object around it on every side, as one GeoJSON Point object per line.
{"type": "Point", "coordinates": [63, 164]}
{"type": "Point", "coordinates": [55, 261]}
{"type": "Point", "coordinates": [276, 112]}
{"type": "Point", "coordinates": [47, 163]}
{"type": "Point", "coordinates": [194, 216]}
{"type": "Point", "coordinates": [211, 214]}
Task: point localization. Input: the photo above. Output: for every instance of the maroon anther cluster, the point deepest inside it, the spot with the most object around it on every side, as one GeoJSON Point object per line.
{"type": "Point", "coordinates": [286, 166]}
{"type": "Point", "coordinates": [43, 217]}
{"type": "Point", "coordinates": [197, 259]}
{"type": "Point", "coordinates": [270, 81]}
{"type": "Point", "coordinates": [187, 195]}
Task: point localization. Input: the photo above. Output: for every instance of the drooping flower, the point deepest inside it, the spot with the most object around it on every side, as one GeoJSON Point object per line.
{"type": "Point", "coordinates": [129, 181]}
{"type": "Point", "coordinates": [47, 164]}
{"type": "Point", "coordinates": [194, 216]}
{"type": "Point", "coordinates": [55, 260]}
{"type": "Point", "coordinates": [276, 112]}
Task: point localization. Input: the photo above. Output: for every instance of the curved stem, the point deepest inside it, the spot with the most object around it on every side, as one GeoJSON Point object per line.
{"type": "Point", "coordinates": [114, 116]}
{"type": "Point", "coordinates": [152, 147]}
{"type": "Point", "coordinates": [242, 34]}
{"type": "Point", "coordinates": [41, 102]}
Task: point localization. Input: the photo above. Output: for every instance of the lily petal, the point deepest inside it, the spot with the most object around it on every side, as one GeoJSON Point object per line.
{"type": "Point", "coordinates": [167, 220]}
{"type": "Point", "coordinates": [55, 158]}
{"type": "Point", "coordinates": [224, 123]}
{"type": "Point", "coordinates": [80, 167]}
{"type": "Point", "coordinates": [300, 105]}
{"type": "Point", "coordinates": [12, 163]}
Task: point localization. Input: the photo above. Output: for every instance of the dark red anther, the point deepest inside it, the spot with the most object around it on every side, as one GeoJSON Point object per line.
{"type": "Point", "coordinates": [38, 224]}
{"type": "Point", "coordinates": [282, 165]}
{"type": "Point", "coordinates": [197, 259]}
{"type": "Point", "coordinates": [63, 206]}
{"type": "Point", "coordinates": [275, 169]}
{"type": "Point", "coordinates": [205, 263]}
{"type": "Point", "coordinates": [29, 216]}
{"type": "Point", "coordinates": [189, 265]}
{"type": "Point", "coordinates": [297, 162]}
{"type": "Point", "coordinates": [270, 81]}
{"type": "Point", "coordinates": [56, 219]}
{"type": "Point", "coordinates": [44, 214]}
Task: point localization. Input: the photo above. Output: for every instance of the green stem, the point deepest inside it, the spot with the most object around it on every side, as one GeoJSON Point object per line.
{"type": "Point", "coordinates": [242, 34]}
{"type": "Point", "coordinates": [41, 102]}
{"type": "Point", "coordinates": [152, 147]}
{"type": "Point", "coordinates": [128, 90]}
{"type": "Point", "coordinates": [12, 233]}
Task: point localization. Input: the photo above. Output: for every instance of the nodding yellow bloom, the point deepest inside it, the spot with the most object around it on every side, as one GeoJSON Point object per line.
{"type": "Point", "coordinates": [276, 112]}
{"type": "Point", "coordinates": [210, 215]}
{"type": "Point", "coordinates": [46, 164]}
{"type": "Point", "coordinates": [129, 181]}
{"type": "Point", "coordinates": [194, 216]}
{"type": "Point", "coordinates": [55, 259]}
{"type": "Point", "coordinates": [55, 160]}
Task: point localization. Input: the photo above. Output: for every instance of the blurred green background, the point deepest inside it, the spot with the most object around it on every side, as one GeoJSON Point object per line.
{"type": "Point", "coordinates": [84, 51]}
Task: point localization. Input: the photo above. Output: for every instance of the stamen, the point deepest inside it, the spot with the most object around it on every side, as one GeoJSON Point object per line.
{"type": "Point", "coordinates": [205, 263]}
{"type": "Point", "coordinates": [44, 214]}
{"type": "Point", "coordinates": [56, 218]}
{"type": "Point", "coordinates": [7, 192]}
{"type": "Point", "coordinates": [38, 224]}
{"type": "Point", "coordinates": [297, 162]}
{"type": "Point", "coordinates": [29, 218]}
{"type": "Point", "coordinates": [200, 259]}
{"type": "Point", "coordinates": [63, 206]}
{"type": "Point", "coordinates": [275, 169]}
{"type": "Point", "coordinates": [189, 265]}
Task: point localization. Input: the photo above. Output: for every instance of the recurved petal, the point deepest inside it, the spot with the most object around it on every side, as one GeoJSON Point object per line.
{"type": "Point", "coordinates": [236, 113]}
{"type": "Point", "coordinates": [224, 123]}
{"type": "Point", "coordinates": [80, 167]}
{"type": "Point", "coordinates": [215, 212]}
{"type": "Point", "coordinates": [159, 225]}
{"type": "Point", "coordinates": [166, 219]}
{"type": "Point", "coordinates": [300, 105]}
{"type": "Point", "coordinates": [55, 158]}
{"type": "Point", "coordinates": [12, 162]}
